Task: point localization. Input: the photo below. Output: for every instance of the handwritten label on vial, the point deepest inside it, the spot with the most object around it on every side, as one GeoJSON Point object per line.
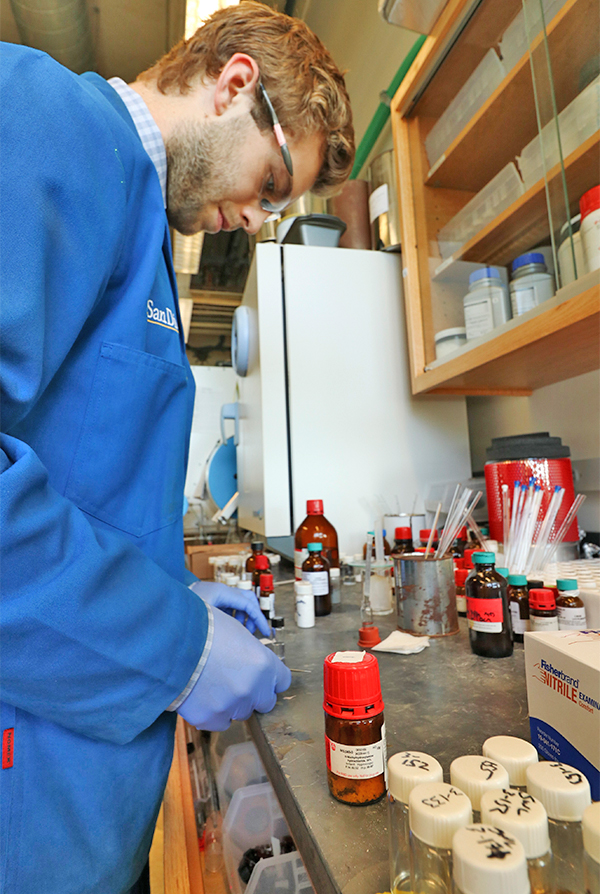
{"type": "Point", "coordinates": [485, 615]}
{"type": "Point", "coordinates": [443, 798]}
{"type": "Point", "coordinates": [414, 760]}
{"type": "Point", "coordinates": [571, 775]}
{"type": "Point", "coordinates": [356, 761]}
{"type": "Point", "coordinates": [512, 802]}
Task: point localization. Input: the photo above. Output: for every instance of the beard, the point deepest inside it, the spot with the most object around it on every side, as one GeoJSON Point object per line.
{"type": "Point", "coordinates": [203, 164]}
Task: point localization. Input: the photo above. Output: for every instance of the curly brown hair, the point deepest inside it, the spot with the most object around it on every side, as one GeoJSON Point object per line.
{"type": "Point", "coordinates": [306, 87]}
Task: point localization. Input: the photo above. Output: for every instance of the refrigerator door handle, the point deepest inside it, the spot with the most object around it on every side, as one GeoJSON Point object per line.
{"type": "Point", "coordinates": [231, 411]}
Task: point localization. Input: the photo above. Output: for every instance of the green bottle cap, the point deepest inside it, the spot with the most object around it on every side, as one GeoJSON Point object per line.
{"type": "Point", "coordinates": [481, 558]}
{"type": "Point", "coordinates": [503, 572]}
{"type": "Point", "coordinates": [314, 547]}
{"type": "Point", "coordinates": [517, 580]}
{"type": "Point", "coordinates": [567, 584]}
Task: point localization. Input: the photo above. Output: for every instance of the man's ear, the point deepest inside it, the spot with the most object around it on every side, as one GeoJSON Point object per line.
{"type": "Point", "coordinates": [238, 77]}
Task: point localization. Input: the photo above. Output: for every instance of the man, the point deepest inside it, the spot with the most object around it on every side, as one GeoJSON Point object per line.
{"type": "Point", "coordinates": [105, 637]}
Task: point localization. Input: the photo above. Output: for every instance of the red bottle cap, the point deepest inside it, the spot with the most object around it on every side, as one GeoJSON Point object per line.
{"type": "Point", "coordinates": [458, 563]}
{"type": "Point", "coordinates": [266, 581]}
{"type": "Point", "coordinates": [368, 637]}
{"type": "Point", "coordinates": [352, 689]}
{"type": "Point", "coordinates": [314, 507]}
{"type": "Point", "coordinates": [403, 534]}
{"type": "Point", "coordinates": [462, 534]}
{"type": "Point", "coordinates": [542, 599]}
{"type": "Point", "coordinates": [460, 576]}
{"type": "Point", "coordinates": [590, 201]}
{"type": "Point", "coordinates": [261, 563]}
{"type": "Point", "coordinates": [425, 532]}
{"type": "Point", "coordinates": [467, 558]}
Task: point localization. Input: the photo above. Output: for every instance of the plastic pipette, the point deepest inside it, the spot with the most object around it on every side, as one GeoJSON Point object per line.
{"type": "Point", "coordinates": [562, 531]}
{"type": "Point", "coordinates": [538, 550]}
{"type": "Point", "coordinates": [433, 527]}
{"type": "Point", "coordinates": [366, 612]}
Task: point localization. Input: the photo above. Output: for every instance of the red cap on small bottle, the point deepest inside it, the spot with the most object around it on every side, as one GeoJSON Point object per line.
{"type": "Point", "coordinates": [468, 557]}
{"type": "Point", "coordinates": [590, 201]}
{"type": "Point", "coordinates": [462, 534]}
{"type": "Point", "coordinates": [314, 507]}
{"type": "Point", "coordinates": [542, 599]}
{"type": "Point", "coordinates": [403, 534]}
{"type": "Point", "coordinates": [352, 689]}
{"type": "Point", "coordinates": [425, 532]}
{"type": "Point", "coordinates": [266, 581]}
{"type": "Point", "coordinates": [460, 576]}
{"type": "Point", "coordinates": [261, 562]}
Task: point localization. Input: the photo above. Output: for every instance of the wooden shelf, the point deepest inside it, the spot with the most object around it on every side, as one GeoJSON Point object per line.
{"type": "Point", "coordinates": [560, 342]}
{"type": "Point", "coordinates": [507, 121]}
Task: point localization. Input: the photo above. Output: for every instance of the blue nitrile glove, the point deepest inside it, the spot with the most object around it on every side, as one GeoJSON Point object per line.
{"type": "Point", "coordinates": [240, 676]}
{"type": "Point", "coordinates": [230, 600]}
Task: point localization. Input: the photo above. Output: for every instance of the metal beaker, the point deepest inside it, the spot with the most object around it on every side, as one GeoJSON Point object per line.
{"type": "Point", "coordinates": [425, 595]}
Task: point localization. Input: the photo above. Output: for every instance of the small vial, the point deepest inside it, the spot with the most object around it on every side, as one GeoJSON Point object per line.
{"type": "Point", "coordinates": [514, 754]}
{"type": "Point", "coordinates": [267, 596]}
{"type": "Point", "coordinates": [277, 644]}
{"type": "Point", "coordinates": [305, 603]}
{"type": "Point", "coordinates": [591, 848]}
{"type": "Point", "coordinates": [460, 576]}
{"type": "Point", "coordinates": [261, 566]}
{"type": "Point", "coordinates": [525, 817]}
{"type": "Point", "coordinates": [335, 584]}
{"type": "Point", "coordinates": [402, 541]}
{"type": "Point", "coordinates": [569, 606]}
{"type": "Point", "coordinates": [542, 610]}
{"type": "Point", "coordinates": [565, 793]}
{"type": "Point", "coordinates": [487, 860]}
{"type": "Point", "coordinates": [475, 774]}
{"type": "Point", "coordinates": [406, 770]}
{"type": "Point", "coordinates": [257, 547]}
{"type": "Point", "coordinates": [315, 569]}
{"type": "Point", "coordinates": [245, 584]}
{"type": "Point", "coordinates": [436, 811]}
{"type": "Point", "coordinates": [518, 602]}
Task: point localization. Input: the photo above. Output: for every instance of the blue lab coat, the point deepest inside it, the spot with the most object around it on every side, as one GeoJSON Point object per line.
{"type": "Point", "coordinates": [100, 631]}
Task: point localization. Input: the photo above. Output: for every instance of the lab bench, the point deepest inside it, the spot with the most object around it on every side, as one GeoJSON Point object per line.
{"type": "Point", "coordinates": [444, 701]}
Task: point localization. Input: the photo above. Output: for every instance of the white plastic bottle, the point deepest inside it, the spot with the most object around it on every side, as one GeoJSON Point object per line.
{"type": "Point", "coordinates": [530, 284]}
{"type": "Point", "coordinates": [476, 774]}
{"type": "Point", "coordinates": [486, 304]}
{"type": "Point", "coordinates": [406, 770]}
{"type": "Point", "coordinates": [523, 816]}
{"type": "Point", "coordinates": [565, 793]}
{"type": "Point", "coordinates": [487, 860]}
{"type": "Point", "coordinates": [514, 754]}
{"type": "Point", "coordinates": [436, 811]}
{"type": "Point", "coordinates": [305, 603]}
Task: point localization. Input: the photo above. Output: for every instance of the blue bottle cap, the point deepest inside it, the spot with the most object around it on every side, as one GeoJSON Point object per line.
{"type": "Point", "coordinates": [484, 273]}
{"type": "Point", "coordinates": [314, 547]}
{"type": "Point", "coordinates": [532, 257]}
{"type": "Point", "coordinates": [481, 558]}
{"type": "Point", "coordinates": [517, 580]}
{"type": "Point", "coordinates": [566, 584]}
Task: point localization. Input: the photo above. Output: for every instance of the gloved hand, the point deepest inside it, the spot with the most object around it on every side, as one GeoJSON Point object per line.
{"type": "Point", "coordinates": [240, 676]}
{"type": "Point", "coordinates": [229, 599]}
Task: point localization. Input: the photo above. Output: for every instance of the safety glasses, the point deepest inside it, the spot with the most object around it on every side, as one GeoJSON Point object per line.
{"type": "Point", "coordinates": [267, 204]}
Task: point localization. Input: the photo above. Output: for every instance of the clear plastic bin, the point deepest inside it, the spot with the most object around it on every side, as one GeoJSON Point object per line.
{"type": "Point", "coordinates": [469, 99]}
{"type": "Point", "coordinates": [577, 121]}
{"type": "Point", "coordinates": [253, 818]}
{"type": "Point", "coordinates": [515, 43]}
{"type": "Point", "coordinates": [241, 766]}
{"type": "Point", "coordinates": [504, 189]}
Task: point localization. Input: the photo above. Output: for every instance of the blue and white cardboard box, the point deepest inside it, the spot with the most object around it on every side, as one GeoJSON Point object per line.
{"type": "Point", "coordinates": [563, 692]}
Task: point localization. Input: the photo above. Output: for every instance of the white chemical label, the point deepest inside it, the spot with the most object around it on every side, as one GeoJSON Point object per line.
{"type": "Point", "coordinates": [319, 581]}
{"type": "Point", "coordinates": [461, 603]}
{"type": "Point", "coordinates": [522, 300]}
{"type": "Point", "coordinates": [519, 624]}
{"type": "Point", "coordinates": [299, 556]}
{"type": "Point", "coordinates": [543, 623]}
{"type": "Point", "coordinates": [479, 318]}
{"type": "Point", "coordinates": [348, 657]}
{"type": "Point", "coordinates": [379, 202]}
{"type": "Point", "coordinates": [356, 761]}
{"type": "Point", "coordinates": [265, 603]}
{"type": "Point", "coordinates": [571, 617]}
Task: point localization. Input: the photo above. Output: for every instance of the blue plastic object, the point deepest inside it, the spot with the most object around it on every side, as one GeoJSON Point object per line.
{"type": "Point", "coordinates": [484, 273]}
{"type": "Point", "coordinates": [532, 257]}
{"type": "Point", "coordinates": [222, 474]}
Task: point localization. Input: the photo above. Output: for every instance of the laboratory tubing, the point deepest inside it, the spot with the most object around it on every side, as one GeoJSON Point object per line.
{"type": "Point", "coordinates": [406, 769]}
{"type": "Point", "coordinates": [542, 610]}
{"type": "Point", "coordinates": [261, 566]}
{"type": "Point", "coordinates": [565, 793]}
{"type": "Point", "coordinates": [315, 569]}
{"type": "Point", "coordinates": [277, 644]}
{"type": "Point", "coordinates": [490, 631]}
{"type": "Point", "coordinates": [487, 860]}
{"type": "Point", "coordinates": [460, 576]}
{"type": "Point", "coordinates": [315, 528]}
{"type": "Point", "coordinates": [589, 206]}
{"type": "Point", "coordinates": [258, 549]}
{"type": "Point", "coordinates": [518, 602]}
{"type": "Point", "coordinates": [305, 603]}
{"type": "Point", "coordinates": [514, 754]}
{"type": "Point", "coordinates": [355, 747]}
{"type": "Point", "coordinates": [436, 811]}
{"type": "Point", "coordinates": [569, 606]}
{"type": "Point", "coordinates": [486, 304]}
{"type": "Point", "coordinates": [591, 848]}
{"type": "Point", "coordinates": [335, 583]}
{"type": "Point", "coordinates": [530, 284]}
{"type": "Point", "coordinates": [267, 596]}
{"type": "Point", "coordinates": [523, 816]}
{"type": "Point", "coordinates": [475, 774]}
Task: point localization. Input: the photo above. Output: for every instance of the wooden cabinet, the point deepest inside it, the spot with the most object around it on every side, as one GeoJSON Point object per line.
{"type": "Point", "coordinates": [559, 338]}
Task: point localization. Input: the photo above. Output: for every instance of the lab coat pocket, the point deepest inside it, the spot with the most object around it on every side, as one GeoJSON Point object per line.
{"type": "Point", "coordinates": [129, 465]}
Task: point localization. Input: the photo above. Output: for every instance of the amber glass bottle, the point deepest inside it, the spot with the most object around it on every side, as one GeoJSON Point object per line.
{"type": "Point", "coordinates": [315, 569]}
{"type": "Point", "coordinates": [570, 606]}
{"type": "Point", "coordinates": [518, 601]}
{"type": "Point", "coordinates": [386, 547]}
{"type": "Point", "coordinates": [261, 566]}
{"type": "Point", "coordinates": [267, 596]}
{"type": "Point", "coordinates": [355, 746]}
{"type": "Point", "coordinates": [315, 529]}
{"type": "Point", "coordinates": [257, 547]}
{"type": "Point", "coordinates": [542, 609]}
{"type": "Point", "coordinates": [402, 541]}
{"type": "Point", "coordinates": [490, 629]}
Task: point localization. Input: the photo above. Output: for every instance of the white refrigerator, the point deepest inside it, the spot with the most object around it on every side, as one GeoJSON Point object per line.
{"type": "Point", "coordinates": [323, 408]}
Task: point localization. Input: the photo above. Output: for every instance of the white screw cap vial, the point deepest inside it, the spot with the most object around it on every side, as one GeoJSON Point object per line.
{"type": "Point", "coordinates": [515, 755]}
{"type": "Point", "coordinates": [521, 815]}
{"type": "Point", "coordinates": [305, 603]}
{"type": "Point", "coordinates": [475, 775]}
{"type": "Point", "coordinates": [436, 811]}
{"type": "Point", "coordinates": [563, 790]}
{"type": "Point", "coordinates": [487, 860]}
{"type": "Point", "coordinates": [245, 585]}
{"type": "Point", "coordinates": [591, 831]}
{"type": "Point", "coordinates": [407, 769]}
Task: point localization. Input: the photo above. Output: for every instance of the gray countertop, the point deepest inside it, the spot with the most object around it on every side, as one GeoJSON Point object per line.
{"type": "Point", "coordinates": [444, 701]}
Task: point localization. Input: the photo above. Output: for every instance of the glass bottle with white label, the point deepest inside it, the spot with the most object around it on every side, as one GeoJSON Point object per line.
{"type": "Point", "coordinates": [355, 747]}
{"type": "Point", "coordinates": [490, 631]}
{"type": "Point", "coordinates": [315, 569]}
{"type": "Point", "coordinates": [542, 610]}
{"type": "Point", "coordinates": [518, 602]}
{"type": "Point", "coordinates": [569, 606]}
{"type": "Point", "coordinates": [436, 811]}
{"type": "Point", "coordinates": [488, 859]}
{"type": "Point", "coordinates": [315, 529]}
{"type": "Point", "coordinates": [475, 774]}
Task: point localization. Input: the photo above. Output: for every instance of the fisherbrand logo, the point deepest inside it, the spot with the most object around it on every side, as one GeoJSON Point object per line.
{"type": "Point", "coordinates": [161, 317]}
{"type": "Point", "coordinates": [564, 685]}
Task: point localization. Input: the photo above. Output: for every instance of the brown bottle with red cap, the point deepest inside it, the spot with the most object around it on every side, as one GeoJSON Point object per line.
{"type": "Point", "coordinates": [355, 748]}
{"type": "Point", "coordinates": [267, 596]}
{"type": "Point", "coordinates": [542, 610]}
{"type": "Point", "coordinates": [402, 541]}
{"type": "Point", "coordinates": [257, 547]}
{"type": "Point", "coordinates": [261, 566]}
{"type": "Point", "coordinates": [315, 529]}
